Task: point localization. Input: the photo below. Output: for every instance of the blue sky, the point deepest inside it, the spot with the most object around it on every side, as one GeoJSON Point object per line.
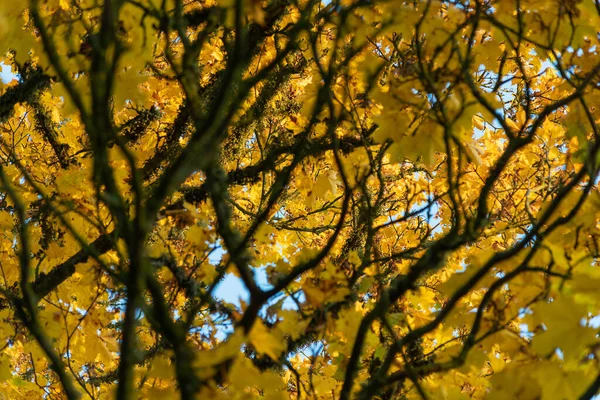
{"type": "Point", "coordinates": [5, 74]}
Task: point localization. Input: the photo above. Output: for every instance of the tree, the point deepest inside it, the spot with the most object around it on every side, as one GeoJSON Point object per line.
{"type": "Point", "coordinates": [407, 190]}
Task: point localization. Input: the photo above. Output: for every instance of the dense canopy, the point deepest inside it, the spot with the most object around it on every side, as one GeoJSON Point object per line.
{"type": "Point", "coordinates": [300, 199]}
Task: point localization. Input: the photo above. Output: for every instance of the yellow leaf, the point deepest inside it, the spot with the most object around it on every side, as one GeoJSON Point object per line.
{"type": "Point", "coordinates": [5, 368]}
{"type": "Point", "coordinates": [558, 383]}
{"type": "Point", "coordinates": [512, 125]}
{"type": "Point", "coordinates": [562, 318]}
{"type": "Point", "coordinates": [266, 341]}
{"type": "Point", "coordinates": [6, 221]}
{"type": "Point", "coordinates": [478, 122]}
{"type": "Point", "coordinates": [161, 367]}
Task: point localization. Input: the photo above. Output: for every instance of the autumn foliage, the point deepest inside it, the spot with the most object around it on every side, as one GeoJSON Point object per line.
{"type": "Point", "coordinates": [404, 192]}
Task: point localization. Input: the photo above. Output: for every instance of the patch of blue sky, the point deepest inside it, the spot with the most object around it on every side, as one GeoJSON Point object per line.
{"type": "Point", "coordinates": [232, 289]}
{"type": "Point", "coordinates": [429, 212]}
{"type": "Point", "coordinates": [6, 74]}
{"type": "Point", "coordinates": [594, 322]}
